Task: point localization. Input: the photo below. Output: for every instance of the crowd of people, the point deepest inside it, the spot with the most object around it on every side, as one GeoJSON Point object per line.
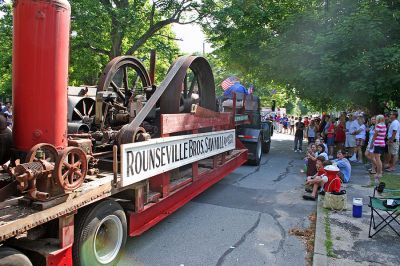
{"type": "Point", "coordinates": [337, 141]}
{"type": "Point", "coordinates": [6, 110]}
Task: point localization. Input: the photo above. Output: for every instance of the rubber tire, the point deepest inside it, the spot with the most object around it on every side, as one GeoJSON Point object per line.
{"type": "Point", "coordinates": [266, 147]}
{"type": "Point", "coordinates": [12, 257]}
{"type": "Point", "coordinates": [257, 160]}
{"type": "Point", "coordinates": [86, 224]}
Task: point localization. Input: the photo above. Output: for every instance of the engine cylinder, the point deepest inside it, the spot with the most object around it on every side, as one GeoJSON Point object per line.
{"type": "Point", "coordinates": [40, 72]}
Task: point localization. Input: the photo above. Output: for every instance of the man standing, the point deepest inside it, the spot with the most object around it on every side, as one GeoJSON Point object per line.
{"type": "Point", "coordinates": [298, 136]}
{"type": "Point", "coordinates": [393, 141]}
{"type": "Point", "coordinates": [351, 137]}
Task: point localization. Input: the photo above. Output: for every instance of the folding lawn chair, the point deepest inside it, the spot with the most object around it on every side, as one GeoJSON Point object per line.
{"type": "Point", "coordinates": [386, 214]}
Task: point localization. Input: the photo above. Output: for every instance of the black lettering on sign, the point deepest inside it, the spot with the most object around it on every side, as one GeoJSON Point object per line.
{"type": "Point", "coordinates": [185, 148]}
{"type": "Point", "coordinates": [129, 163]}
{"type": "Point", "coordinates": [152, 158]}
{"type": "Point", "coordinates": [163, 155]}
{"type": "Point", "coordinates": [138, 162]}
{"type": "Point", "coordinates": [158, 157]}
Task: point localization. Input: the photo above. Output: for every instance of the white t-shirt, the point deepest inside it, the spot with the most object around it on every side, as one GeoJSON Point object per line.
{"type": "Point", "coordinates": [395, 125]}
{"type": "Point", "coordinates": [362, 134]}
{"type": "Point", "coordinates": [354, 126]}
{"type": "Point", "coordinates": [348, 127]}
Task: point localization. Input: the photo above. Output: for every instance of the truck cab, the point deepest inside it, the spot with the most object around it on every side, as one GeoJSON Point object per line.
{"type": "Point", "coordinates": [256, 133]}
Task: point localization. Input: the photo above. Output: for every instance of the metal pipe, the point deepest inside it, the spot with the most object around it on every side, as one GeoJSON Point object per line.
{"type": "Point", "coordinates": [74, 128]}
{"type": "Point", "coordinates": [152, 72]}
{"type": "Point", "coordinates": [115, 164]}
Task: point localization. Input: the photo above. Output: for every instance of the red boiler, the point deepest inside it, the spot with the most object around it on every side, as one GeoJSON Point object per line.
{"type": "Point", "coordinates": [40, 72]}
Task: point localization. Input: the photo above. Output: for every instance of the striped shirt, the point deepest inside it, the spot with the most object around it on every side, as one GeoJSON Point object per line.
{"type": "Point", "coordinates": [380, 138]}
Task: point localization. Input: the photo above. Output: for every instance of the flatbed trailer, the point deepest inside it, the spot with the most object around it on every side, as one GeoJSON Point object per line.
{"type": "Point", "coordinates": [22, 227]}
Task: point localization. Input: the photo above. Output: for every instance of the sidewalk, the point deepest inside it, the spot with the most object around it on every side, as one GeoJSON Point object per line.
{"type": "Point", "coordinates": [342, 239]}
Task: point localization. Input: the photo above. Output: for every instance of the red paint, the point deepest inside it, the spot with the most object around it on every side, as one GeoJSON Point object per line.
{"type": "Point", "coordinates": [61, 257]}
{"type": "Point", "coordinates": [155, 213]}
{"type": "Point", "coordinates": [40, 72]}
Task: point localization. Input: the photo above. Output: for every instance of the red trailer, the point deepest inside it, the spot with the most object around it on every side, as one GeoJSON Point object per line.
{"type": "Point", "coordinates": [92, 165]}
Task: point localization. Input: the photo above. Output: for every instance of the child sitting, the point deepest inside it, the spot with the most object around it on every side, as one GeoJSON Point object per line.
{"type": "Point", "coordinates": [319, 179]}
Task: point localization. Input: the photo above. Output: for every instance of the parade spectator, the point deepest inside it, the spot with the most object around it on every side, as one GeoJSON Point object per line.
{"type": "Point", "coordinates": [369, 152]}
{"type": "Point", "coordinates": [360, 138]}
{"type": "Point", "coordinates": [351, 137]}
{"type": "Point", "coordinates": [340, 132]}
{"type": "Point", "coordinates": [321, 126]}
{"type": "Point", "coordinates": [344, 166]}
{"type": "Point", "coordinates": [298, 137]}
{"type": "Point", "coordinates": [321, 151]}
{"type": "Point", "coordinates": [311, 131]}
{"type": "Point", "coordinates": [285, 123]}
{"type": "Point", "coordinates": [7, 111]}
{"type": "Point", "coordinates": [330, 137]}
{"type": "Point", "coordinates": [311, 160]}
{"type": "Point", "coordinates": [316, 181]}
{"type": "Point", "coordinates": [1, 107]}
{"type": "Point", "coordinates": [292, 121]}
{"type": "Point", "coordinates": [393, 141]}
{"type": "Point", "coordinates": [378, 144]}
{"type": "Point", "coordinates": [306, 125]}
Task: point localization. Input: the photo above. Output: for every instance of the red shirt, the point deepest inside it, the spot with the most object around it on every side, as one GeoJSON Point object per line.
{"type": "Point", "coordinates": [306, 122]}
{"type": "Point", "coordinates": [340, 134]}
{"type": "Point", "coordinates": [331, 129]}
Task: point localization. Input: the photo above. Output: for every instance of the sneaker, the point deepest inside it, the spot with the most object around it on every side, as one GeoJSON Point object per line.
{"type": "Point", "coordinates": [300, 150]}
{"type": "Point", "coordinates": [295, 150]}
{"type": "Point", "coordinates": [330, 157]}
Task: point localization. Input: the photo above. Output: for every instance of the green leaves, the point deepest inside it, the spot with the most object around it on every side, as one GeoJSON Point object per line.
{"type": "Point", "coordinates": [342, 56]}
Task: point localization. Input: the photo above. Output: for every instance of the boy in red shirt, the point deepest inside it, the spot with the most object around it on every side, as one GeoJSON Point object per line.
{"type": "Point", "coordinates": [317, 180]}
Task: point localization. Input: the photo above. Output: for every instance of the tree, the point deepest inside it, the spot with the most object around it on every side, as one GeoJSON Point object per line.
{"type": "Point", "coordinates": [5, 49]}
{"type": "Point", "coordinates": [342, 55]}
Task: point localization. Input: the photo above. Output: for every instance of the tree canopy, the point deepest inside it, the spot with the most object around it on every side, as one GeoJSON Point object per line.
{"type": "Point", "coordinates": [328, 53]}
{"type": "Point", "coordinates": [102, 30]}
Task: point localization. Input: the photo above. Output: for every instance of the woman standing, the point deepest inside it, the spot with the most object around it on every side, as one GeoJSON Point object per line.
{"type": "Point", "coordinates": [311, 131]}
{"type": "Point", "coordinates": [360, 138]}
{"type": "Point", "coordinates": [340, 132]}
{"type": "Point", "coordinates": [369, 153]}
{"type": "Point", "coordinates": [378, 144]}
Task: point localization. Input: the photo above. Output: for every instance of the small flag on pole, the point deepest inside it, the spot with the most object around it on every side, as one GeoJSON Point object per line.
{"type": "Point", "coordinates": [251, 89]}
{"type": "Point", "coordinates": [227, 83]}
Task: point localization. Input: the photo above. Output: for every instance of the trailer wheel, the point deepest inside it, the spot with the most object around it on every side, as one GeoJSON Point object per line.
{"type": "Point", "coordinates": [266, 146]}
{"type": "Point", "coordinates": [12, 257]}
{"type": "Point", "coordinates": [257, 151]}
{"type": "Point", "coordinates": [100, 234]}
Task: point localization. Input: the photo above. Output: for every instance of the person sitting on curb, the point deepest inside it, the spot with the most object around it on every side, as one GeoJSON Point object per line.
{"type": "Point", "coordinates": [321, 151]}
{"type": "Point", "coordinates": [344, 166]}
{"type": "Point", "coordinates": [317, 180]}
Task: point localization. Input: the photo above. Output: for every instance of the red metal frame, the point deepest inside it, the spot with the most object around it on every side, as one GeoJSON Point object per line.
{"type": "Point", "coordinates": [156, 212]}
{"type": "Point", "coordinates": [173, 196]}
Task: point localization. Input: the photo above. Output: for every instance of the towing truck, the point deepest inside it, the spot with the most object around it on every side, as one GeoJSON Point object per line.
{"type": "Point", "coordinates": [257, 132]}
{"type": "Point", "coordinates": [86, 167]}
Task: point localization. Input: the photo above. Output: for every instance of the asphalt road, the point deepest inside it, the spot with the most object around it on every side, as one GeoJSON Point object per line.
{"type": "Point", "coordinates": [242, 220]}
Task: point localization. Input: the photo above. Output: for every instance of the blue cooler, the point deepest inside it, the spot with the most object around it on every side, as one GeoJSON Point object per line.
{"type": "Point", "coordinates": [357, 207]}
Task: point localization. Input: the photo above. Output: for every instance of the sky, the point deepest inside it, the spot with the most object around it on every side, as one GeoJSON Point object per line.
{"type": "Point", "coordinates": [192, 38]}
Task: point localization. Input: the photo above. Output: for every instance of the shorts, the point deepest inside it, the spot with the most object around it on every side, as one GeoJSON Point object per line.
{"type": "Point", "coordinates": [331, 141]}
{"type": "Point", "coordinates": [379, 150]}
{"type": "Point", "coordinates": [370, 150]}
{"type": "Point", "coordinates": [285, 126]}
{"type": "Point", "coordinates": [359, 142]}
{"type": "Point", "coordinates": [394, 148]}
{"type": "Point", "coordinates": [350, 141]}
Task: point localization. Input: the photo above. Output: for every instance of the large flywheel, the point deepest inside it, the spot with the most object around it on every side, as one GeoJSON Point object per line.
{"type": "Point", "coordinates": [123, 78]}
{"type": "Point", "coordinates": [193, 83]}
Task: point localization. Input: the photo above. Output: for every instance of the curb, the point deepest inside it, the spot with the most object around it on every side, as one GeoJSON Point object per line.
{"type": "Point", "coordinates": [320, 258]}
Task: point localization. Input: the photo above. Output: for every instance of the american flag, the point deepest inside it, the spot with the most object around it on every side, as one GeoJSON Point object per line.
{"type": "Point", "coordinates": [227, 83]}
{"type": "Point", "coordinates": [251, 89]}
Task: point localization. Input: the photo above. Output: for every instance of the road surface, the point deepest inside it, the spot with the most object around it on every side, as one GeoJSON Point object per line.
{"type": "Point", "coordinates": [242, 220]}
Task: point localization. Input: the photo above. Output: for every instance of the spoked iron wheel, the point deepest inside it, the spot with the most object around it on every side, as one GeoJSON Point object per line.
{"type": "Point", "coordinates": [71, 168]}
{"type": "Point", "coordinates": [125, 76]}
{"type": "Point", "coordinates": [42, 151]}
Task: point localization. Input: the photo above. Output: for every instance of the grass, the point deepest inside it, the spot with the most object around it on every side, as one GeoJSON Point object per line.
{"type": "Point", "coordinates": [391, 180]}
{"type": "Point", "coordinates": [328, 240]}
